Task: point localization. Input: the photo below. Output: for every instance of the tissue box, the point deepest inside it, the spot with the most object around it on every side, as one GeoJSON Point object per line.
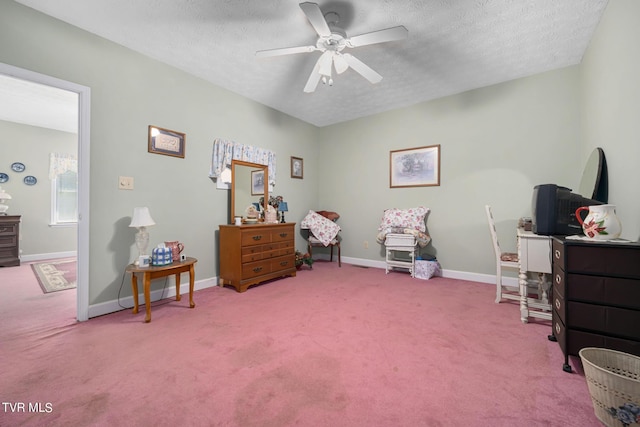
{"type": "Point", "coordinates": [427, 269]}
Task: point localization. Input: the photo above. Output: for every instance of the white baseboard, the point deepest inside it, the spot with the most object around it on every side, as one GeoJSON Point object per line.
{"type": "Point", "coordinates": [51, 255]}
{"type": "Point", "coordinates": [450, 274]}
{"type": "Point", "coordinates": [169, 291]}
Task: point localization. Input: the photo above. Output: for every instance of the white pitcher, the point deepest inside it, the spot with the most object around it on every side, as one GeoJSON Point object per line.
{"type": "Point", "coordinates": [601, 223]}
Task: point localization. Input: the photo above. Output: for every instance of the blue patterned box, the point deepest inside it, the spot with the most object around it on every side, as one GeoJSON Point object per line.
{"type": "Point", "coordinates": [161, 256]}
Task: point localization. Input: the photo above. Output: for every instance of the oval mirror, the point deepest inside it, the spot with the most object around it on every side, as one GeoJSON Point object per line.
{"type": "Point", "coordinates": [594, 182]}
{"type": "Point", "coordinates": [248, 185]}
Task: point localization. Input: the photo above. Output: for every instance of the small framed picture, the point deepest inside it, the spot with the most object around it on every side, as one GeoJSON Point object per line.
{"type": "Point", "coordinates": [257, 183]}
{"type": "Point", "coordinates": [296, 167]}
{"type": "Point", "coordinates": [415, 167]}
{"type": "Point", "coordinates": [167, 142]}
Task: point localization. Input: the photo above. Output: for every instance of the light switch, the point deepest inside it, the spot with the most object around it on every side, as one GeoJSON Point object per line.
{"type": "Point", "coordinates": [125, 183]}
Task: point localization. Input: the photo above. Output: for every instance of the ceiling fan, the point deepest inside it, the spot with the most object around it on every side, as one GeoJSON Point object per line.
{"type": "Point", "coordinates": [331, 42]}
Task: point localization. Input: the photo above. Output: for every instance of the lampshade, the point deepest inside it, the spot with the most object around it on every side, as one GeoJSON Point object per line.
{"type": "Point", "coordinates": [4, 196]}
{"type": "Point", "coordinates": [282, 207]}
{"type": "Point", "coordinates": [141, 218]}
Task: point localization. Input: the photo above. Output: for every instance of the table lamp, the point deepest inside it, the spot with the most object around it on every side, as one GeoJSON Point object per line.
{"type": "Point", "coordinates": [141, 220]}
{"type": "Point", "coordinates": [3, 197]}
{"type": "Point", "coordinates": [282, 207]}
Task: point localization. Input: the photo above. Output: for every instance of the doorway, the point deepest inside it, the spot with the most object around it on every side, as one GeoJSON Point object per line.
{"type": "Point", "coordinates": [83, 108]}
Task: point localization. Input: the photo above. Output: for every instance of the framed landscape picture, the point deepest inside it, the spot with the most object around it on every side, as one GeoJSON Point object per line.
{"type": "Point", "coordinates": [415, 167]}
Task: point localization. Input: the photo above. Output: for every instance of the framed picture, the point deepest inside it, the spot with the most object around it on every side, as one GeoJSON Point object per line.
{"type": "Point", "coordinates": [167, 142]}
{"type": "Point", "coordinates": [415, 167]}
{"type": "Point", "coordinates": [296, 167]}
{"type": "Point", "coordinates": [257, 183]}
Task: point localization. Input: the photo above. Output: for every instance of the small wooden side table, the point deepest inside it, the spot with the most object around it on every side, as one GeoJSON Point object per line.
{"type": "Point", "coordinates": [154, 272]}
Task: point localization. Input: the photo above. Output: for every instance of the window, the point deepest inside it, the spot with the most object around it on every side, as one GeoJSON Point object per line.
{"type": "Point", "coordinates": [64, 198]}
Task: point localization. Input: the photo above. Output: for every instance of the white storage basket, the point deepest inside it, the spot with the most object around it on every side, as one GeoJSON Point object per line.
{"type": "Point", "coordinates": [613, 378]}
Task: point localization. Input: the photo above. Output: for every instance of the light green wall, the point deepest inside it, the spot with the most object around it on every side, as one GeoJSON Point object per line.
{"type": "Point", "coordinates": [611, 111]}
{"type": "Point", "coordinates": [129, 92]}
{"type": "Point", "coordinates": [496, 143]}
{"type": "Point", "coordinates": [31, 145]}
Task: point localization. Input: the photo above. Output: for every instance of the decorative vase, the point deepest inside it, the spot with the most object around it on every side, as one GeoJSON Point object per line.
{"type": "Point", "coordinates": [176, 248]}
{"type": "Point", "coordinates": [601, 223]}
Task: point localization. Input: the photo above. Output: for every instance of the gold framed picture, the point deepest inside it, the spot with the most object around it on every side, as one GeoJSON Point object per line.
{"type": "Point", "coordinates": [415, 167]}
{"type": "Point", "coordinates": [297, 166]}
{"type": "Point", "coordinates": [166, 141]}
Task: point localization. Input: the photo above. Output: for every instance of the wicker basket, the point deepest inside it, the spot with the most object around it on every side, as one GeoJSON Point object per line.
{"type": "Point", "coordinates": [613, 379]}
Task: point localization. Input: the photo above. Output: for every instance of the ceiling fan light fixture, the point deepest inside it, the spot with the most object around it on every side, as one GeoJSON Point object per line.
{"type": "Point", "coordinates": [332, 40]}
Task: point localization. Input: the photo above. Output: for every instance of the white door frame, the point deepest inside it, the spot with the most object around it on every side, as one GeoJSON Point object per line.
{"type": "Point", "coordinates": [84, 110]}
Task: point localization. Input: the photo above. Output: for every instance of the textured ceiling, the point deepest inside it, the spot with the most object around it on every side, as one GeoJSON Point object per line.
{"type": "Point", "coordinates": [453, 45]}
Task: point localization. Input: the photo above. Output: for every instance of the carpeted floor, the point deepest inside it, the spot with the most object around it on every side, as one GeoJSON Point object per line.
{"type": "Point", "coordinates": [331, 347]}
{"type": "Point", "coordinates": [56, 275]}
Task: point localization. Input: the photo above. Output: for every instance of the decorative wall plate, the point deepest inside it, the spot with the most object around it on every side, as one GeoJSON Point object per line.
{"type": "Point", "coordinates": [18, 167]}
{"type": "Point", "coordinates": [4, 177]}
{"type": "Point", "coordinates": [30, 180]}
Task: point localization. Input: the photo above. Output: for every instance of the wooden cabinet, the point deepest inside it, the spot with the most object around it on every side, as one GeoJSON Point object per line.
{"type": "Point", "coordinates": [596, 296]}
{"type": "Point", "coordinates": [251, 254]}
{"type": "Point", "coordinates": [9, 240]}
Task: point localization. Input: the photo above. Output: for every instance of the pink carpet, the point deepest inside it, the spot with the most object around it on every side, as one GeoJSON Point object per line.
{"type": "Point", "coordinates": [333, 346]}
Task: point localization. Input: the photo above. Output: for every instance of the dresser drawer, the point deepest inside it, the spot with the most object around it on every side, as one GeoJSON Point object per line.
{"type": "Point", "coordinates": [282, 263]}
{"type": "Point", "coordinates": [558, 280]}
{"type": "Point", "coordinates": [620, 322]}
{"type": "Point", "coordinates": [603, 290]}
{"type": "Point", "coordinates": [610, 261]}
{"type": "Point", "coordinates": [559, 305]}
{"type": "Point", "coordinates": [282, 235]}
{"type": "Point", "coordinates": [255, 269]}
{"type": "Point", "coordinates": [577, 340]}
{"type": "Point", "coordinates": [404, 240]}
{"type": "Point", "coordinates": [559, 331]}
{"type": "Point", "coordinates": [9, 252]}
{"type": "Point", "coordinates": [557, 253]}
{"type": "Point", "coordinates": [8, 241]}
{"type": "Point", "coordinates": [8, 230]}
{"type": "Point", "coordinates": [255, 237]}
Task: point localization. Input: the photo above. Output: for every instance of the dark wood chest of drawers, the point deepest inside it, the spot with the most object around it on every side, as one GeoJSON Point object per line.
{"type": "Point", "coordinates": [251, 254]}
{"type": "Point", "coordinates": [596, 296]}
{"type": "Point", "coordinates": [9, 240]}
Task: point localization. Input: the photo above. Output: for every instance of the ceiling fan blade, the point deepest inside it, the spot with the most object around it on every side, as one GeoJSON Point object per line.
{"type": "Point", "coordinates": [381, 36]}
{"type": "Point", "coordinates": [340, 63]}
{"type": "Point", "coordinates": [316, 18]}
{"type": "Point", "coordinates": [314, 78]}
{"type": "Point", "coordinates": [325, 62]}
{"type": "Point", "coordinates": [361, 68]}
{"type": "Point", "coordinates": [284, 51]}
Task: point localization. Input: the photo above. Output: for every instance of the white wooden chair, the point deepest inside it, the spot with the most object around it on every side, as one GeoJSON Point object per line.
{"type": "Point", "coordinates": [503, 260]}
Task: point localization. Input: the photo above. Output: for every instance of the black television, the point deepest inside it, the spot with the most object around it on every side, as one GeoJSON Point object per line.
{"type": "Point", "coordinates": [553, 210]}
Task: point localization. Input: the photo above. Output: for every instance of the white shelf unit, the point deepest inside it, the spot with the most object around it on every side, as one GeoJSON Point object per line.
{"type": "Point", "coordinates": [405, 243]}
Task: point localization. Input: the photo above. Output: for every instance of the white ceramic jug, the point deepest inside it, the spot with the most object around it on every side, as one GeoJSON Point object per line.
{"type": "Point", "coordinates": [601, 223]}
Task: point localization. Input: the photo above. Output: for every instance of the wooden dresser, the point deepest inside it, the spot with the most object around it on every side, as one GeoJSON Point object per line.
{"type": "Point", "coordinates": [596, 296]}
{"type": "Point", "coordinates": [251, 254]}
{"type": "Point", "coordinates": [9, 240]}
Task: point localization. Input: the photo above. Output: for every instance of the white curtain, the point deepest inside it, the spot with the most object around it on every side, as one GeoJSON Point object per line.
{"type": "Point", "coordinates": [224, 151]}
{"type": "Point", "coordinates": [60, 163]}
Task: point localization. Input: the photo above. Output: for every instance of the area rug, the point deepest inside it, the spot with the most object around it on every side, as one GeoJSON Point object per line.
{"type": "Point", "coordinates": [56, 275]}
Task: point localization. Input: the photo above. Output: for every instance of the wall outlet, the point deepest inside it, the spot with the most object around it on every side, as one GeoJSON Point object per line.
{"type": "Point", "coordinates": [366, 244]}
{"type": "Point", "coordinates": [125, 183]}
